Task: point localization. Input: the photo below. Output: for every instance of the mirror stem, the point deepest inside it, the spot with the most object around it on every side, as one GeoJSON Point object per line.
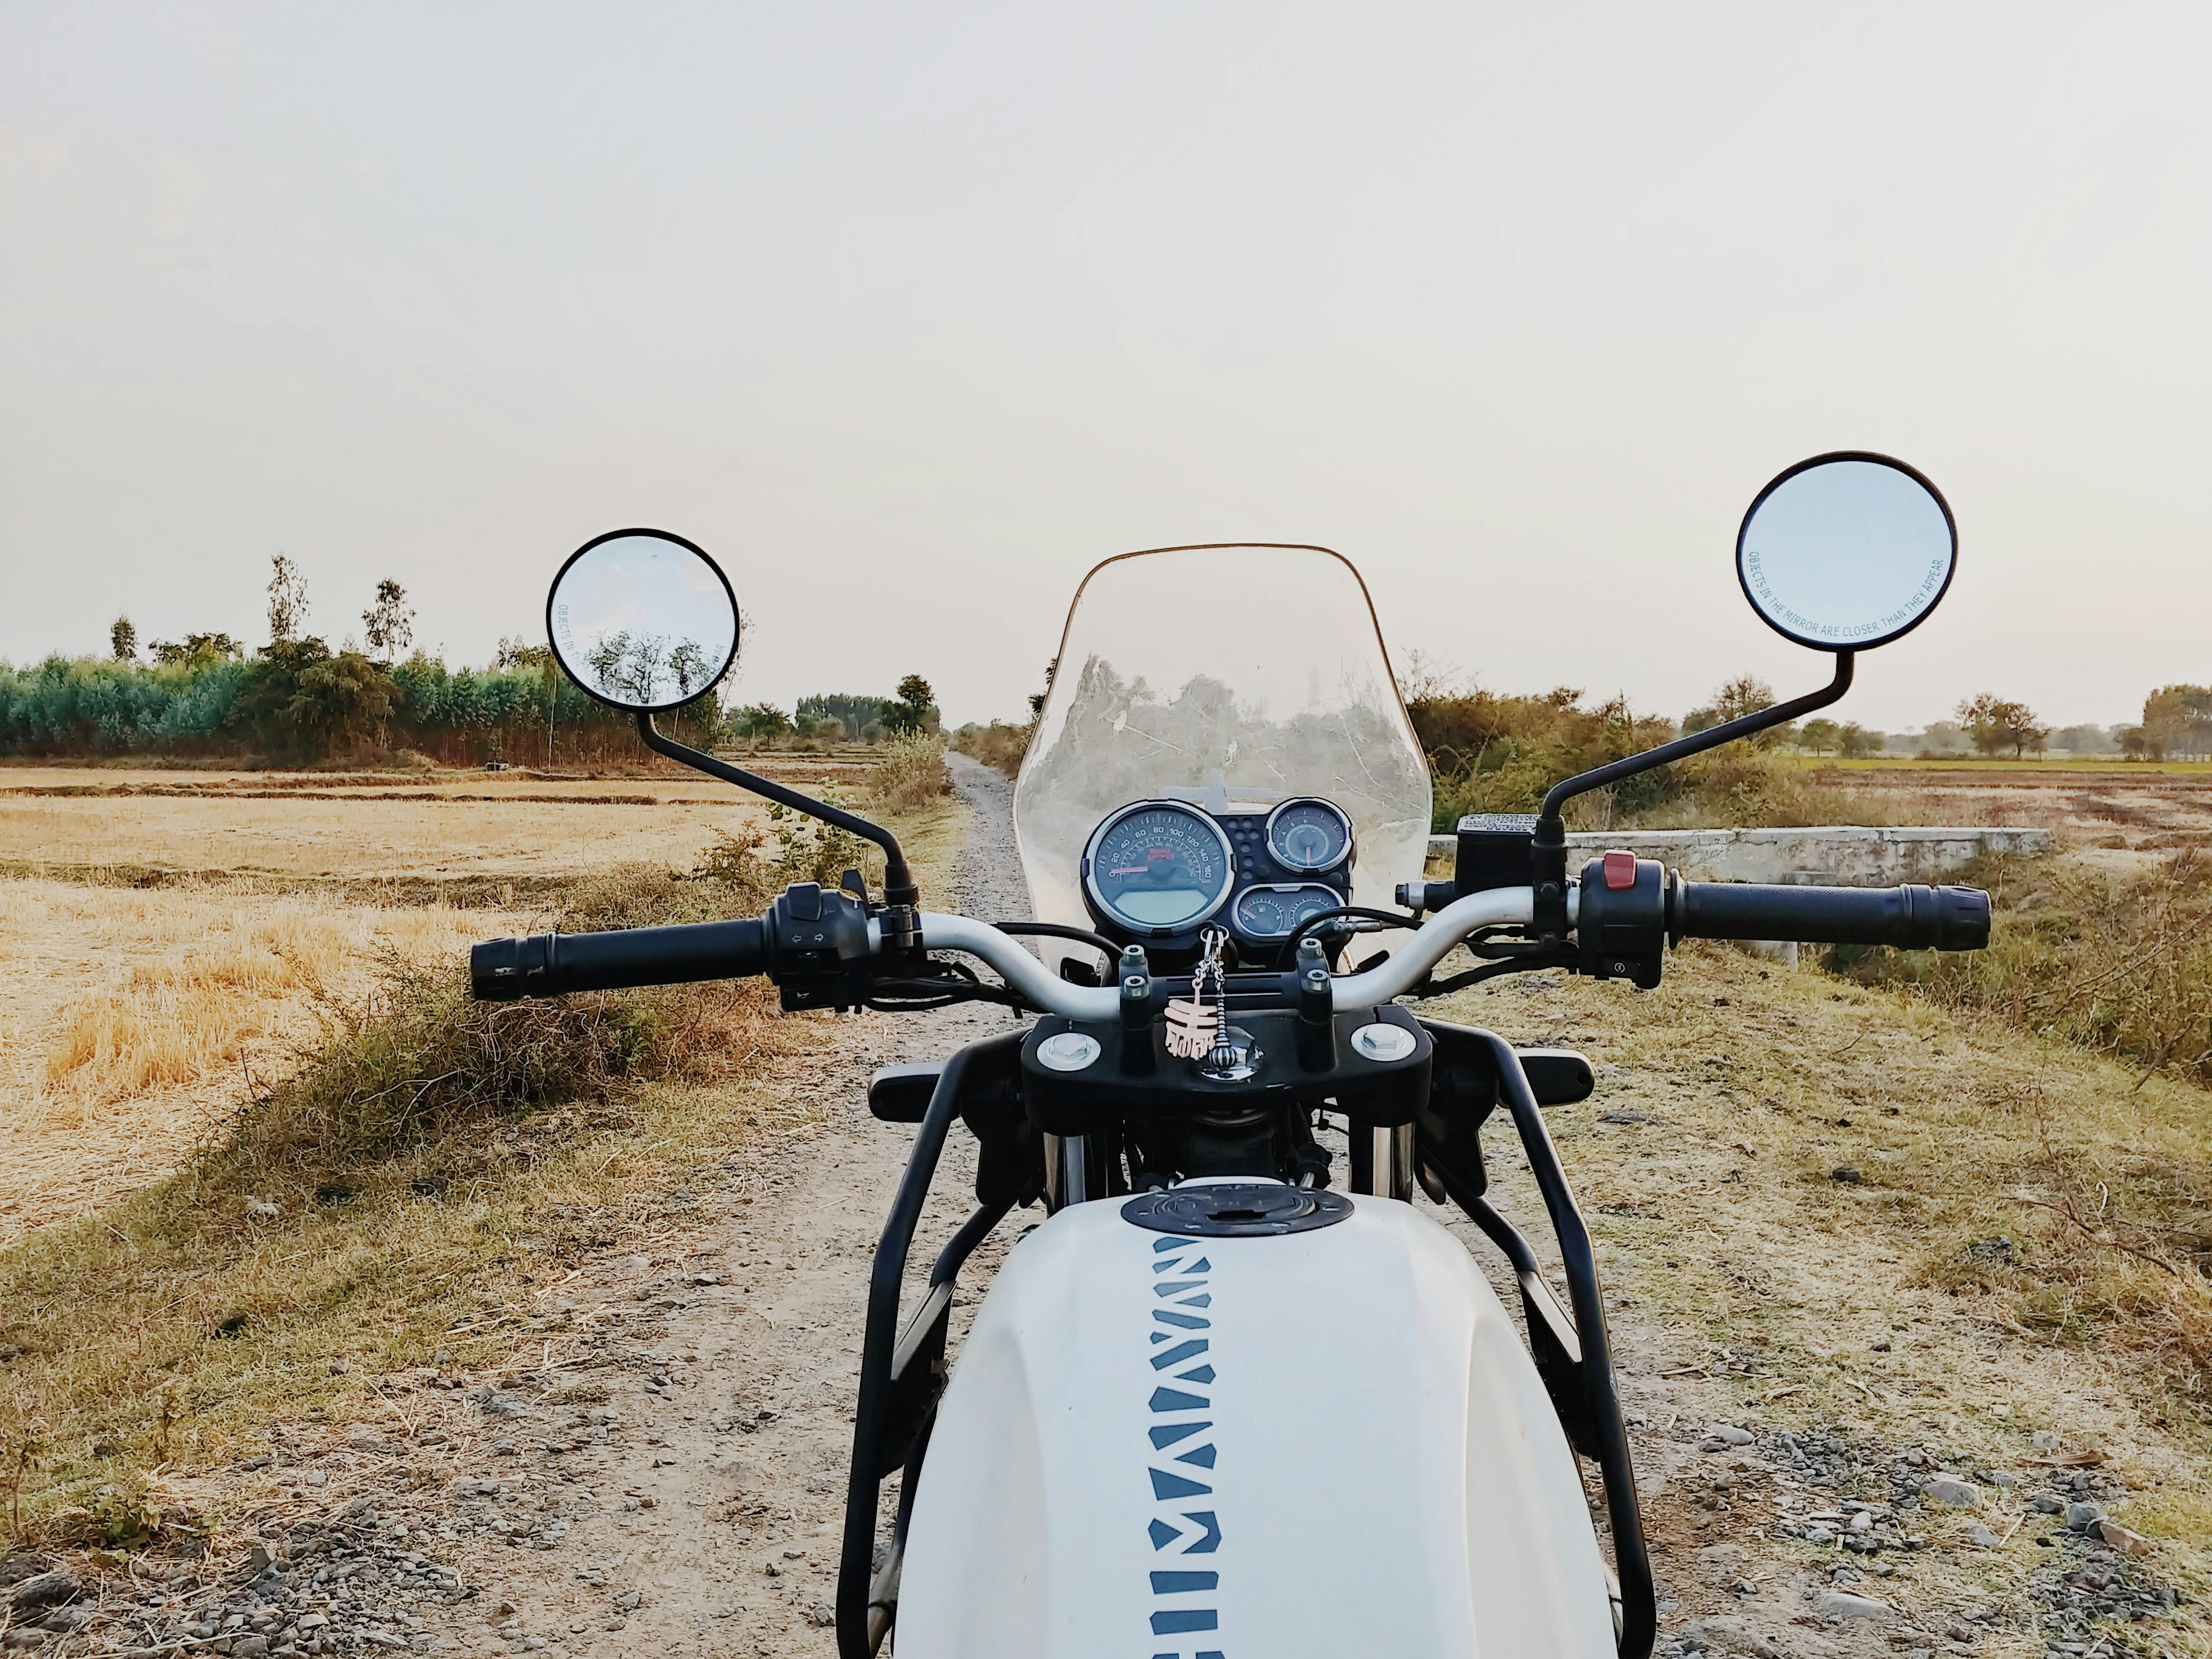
{"type": "Point", "coordinates": [1551, 842]}
{"type": "Point", "coordinates": [899, 891]}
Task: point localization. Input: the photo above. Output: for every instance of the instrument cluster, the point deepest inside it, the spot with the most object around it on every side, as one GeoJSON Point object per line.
{"type": "Point", "coordinates": [1164, 869]}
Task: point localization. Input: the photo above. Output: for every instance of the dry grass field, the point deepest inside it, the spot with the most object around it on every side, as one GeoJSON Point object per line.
{"type": "Point", "coordinates": [170, 934]}
{"type": "Point", "coordinates": [242, 1090]}
{"type": "Point", "coordinates": [356, 829]}
{"type": "Point", "coordinates": [130, 1019]}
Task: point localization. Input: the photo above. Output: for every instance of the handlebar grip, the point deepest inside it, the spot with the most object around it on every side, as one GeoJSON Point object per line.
{"type": "Point", "coordinates": [548, 964]}
{"type": "Point", "coordinates": [1910, 918]}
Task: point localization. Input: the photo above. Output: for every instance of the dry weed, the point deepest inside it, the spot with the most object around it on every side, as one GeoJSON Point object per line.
{"type": "Point", "coordinates": [172, 1022]}
{"type": "Point", "coordinates": [418, 1058]}
{"type": "Point", "coordinates": [1000, 745]}
{"type": "Point", "coordinates": [2120, 963]}
{"type": "Point", "coordinates": [911, 773]}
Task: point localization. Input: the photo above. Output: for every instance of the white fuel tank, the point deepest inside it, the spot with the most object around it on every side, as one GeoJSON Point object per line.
{"type": "Point", "coordinates": [1329, 1442]}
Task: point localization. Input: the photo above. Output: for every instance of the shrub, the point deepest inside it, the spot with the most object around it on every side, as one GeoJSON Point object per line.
{"type": "Point", "coordinates": [419, 1058]}
{"type": "Point", "coordinates": [1490, 753]}
{"type": "Point", "coordinates": [911, 773]}
{"type": "Point", "coordinates": [1000, 745]}
{"type": "Point", "coordinates": [2121, 963]}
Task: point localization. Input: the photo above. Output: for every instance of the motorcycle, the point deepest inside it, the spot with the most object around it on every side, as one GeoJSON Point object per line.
{"type": "Point", "coordinates": [1213, 1405]}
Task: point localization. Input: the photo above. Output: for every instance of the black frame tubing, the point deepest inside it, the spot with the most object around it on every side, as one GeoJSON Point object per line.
{"type": "Point", "coordinates": [898, 881]}
{"type": "Point", "coordinates": [1639, 1617]}
{"type": "Point", "coordinates": [864, 1482]}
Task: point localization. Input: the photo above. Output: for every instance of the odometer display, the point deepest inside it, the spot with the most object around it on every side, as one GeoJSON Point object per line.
{"type": "Point", "coordinates": [1159, 863]}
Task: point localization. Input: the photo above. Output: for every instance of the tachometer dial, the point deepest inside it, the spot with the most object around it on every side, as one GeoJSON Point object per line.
{"type": "Point", "coordinates": [1309, 835]}
{"type": "Point", "coordinates": [1159, 865]}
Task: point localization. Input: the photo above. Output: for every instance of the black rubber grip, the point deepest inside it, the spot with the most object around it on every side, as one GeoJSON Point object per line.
{"type": "Point", "coordinates": [1910, 918]}
{"type": "Point", "coordinates": [547, 964]}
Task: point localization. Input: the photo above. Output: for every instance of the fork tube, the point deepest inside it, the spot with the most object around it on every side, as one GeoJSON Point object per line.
{"type": "Point", "coordinates": [1382, 1161]}
{"type": "Point", "coordinates": [1067, 1171]}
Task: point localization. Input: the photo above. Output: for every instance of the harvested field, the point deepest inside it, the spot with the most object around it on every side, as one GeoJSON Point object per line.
{"type": "Point", "coordinates": [169, 936]}
{"type": "Point", "coordinates": [484, 827]}
{"type": "Point", "coordinates": [129, 1020]}
{"type": "Point", "coordinates": [2133, 808]}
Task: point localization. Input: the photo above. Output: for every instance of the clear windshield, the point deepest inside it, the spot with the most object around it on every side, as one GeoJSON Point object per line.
{"type": "Point", "coordinates": [1232, 678]}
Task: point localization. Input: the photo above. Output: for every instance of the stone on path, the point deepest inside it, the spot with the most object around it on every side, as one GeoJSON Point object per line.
{"type": "Point", "coordinates": [2131, 1543]}
{"type": "Point", "coordinates": [43, 1590]}
{"type": "Point", "coordinates": [1842, 1604]}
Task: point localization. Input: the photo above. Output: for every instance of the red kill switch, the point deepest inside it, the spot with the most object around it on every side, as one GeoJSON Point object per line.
{"type": "Point", "coordinates": [1620, 870]}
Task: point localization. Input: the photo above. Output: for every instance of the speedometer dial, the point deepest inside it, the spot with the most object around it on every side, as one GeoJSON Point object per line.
{"type": "Point", "coordinates": [1159, 865]}
{"type": "Point", "coordinates": [1309, 835]}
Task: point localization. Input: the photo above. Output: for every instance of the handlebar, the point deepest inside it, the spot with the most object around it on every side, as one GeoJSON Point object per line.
{"type": "Point", "coordinates": [1625, 927]}
{"type": "Point", "coordinates": [547, 964]}
{"type": "Point", "coordinates": [1407, 968]}
{"type": "Point", "coordinates": [1909, 917]}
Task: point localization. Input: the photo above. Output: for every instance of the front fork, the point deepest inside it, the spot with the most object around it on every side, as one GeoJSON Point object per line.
{"type": "Point", "coordinates": [1074, 1170]}
{"type": "Point", "coordinates": [1382, 1161]}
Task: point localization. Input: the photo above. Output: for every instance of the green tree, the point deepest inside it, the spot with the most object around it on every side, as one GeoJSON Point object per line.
{"type": "Point", "coordinates": [389, 625]}
{"type": "Point", "coordinates": [306, 701]}
{"type": "Point", "coordinates": [916, 709]}
{"type": "Point", "coordinates": [341, 700]}
{"type": "Point", "coordinates": [688, 662]}
{"type": "Point", "coordinates": [853, 713]}
{"type": "Point", "coordinates": [1819, 736]}
{"type": "Point", "coordinates": [1994, 724]}
{"type": "Point", "coordinates": [1854, 742]}
{"type": "Point", "coordinates": [198, 649]}
{"type": "Point", "coordinates": [2177, 720]}
{"type": "Point", "coordinates": [123, 640]}
{"type": "Point", "coordinates": [760, 720]}
{"type": "Point", "coordinates": [1747, 694]}
{"type": "Point", "coordinates": [288, 601]}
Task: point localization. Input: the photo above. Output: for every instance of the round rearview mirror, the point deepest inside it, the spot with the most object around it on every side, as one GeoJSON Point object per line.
{"type": "Point", "coordinates": [1846, 551]}
{"type": "Point", "coordinates": [641, 619]}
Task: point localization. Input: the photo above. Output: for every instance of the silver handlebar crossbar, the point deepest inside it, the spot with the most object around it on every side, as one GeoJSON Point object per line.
{"type": "Point", "coordinates": [1408, 965]}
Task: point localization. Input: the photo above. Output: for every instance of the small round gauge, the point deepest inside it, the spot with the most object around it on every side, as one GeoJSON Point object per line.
{"type": "Point", "coordinates": [1277, 912]}
{"type": "Point", "coordinates": [1158, 866]}
{"type": "Point", "coordinates": [1309, 835]}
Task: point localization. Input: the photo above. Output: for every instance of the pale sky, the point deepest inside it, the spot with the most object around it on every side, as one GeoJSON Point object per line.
{"type": "Point", "coordinates": [910, 314]}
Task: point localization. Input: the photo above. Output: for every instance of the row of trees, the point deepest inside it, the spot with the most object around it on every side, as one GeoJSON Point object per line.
{"type": "Point", "coordinates": [1470, 731]}
{"type": "Point", "coordinates": [2177, 722]}
{"type": "Point", "coordinates": [297, 700]}
{"type": "Point", "coordinates": [841, 716]}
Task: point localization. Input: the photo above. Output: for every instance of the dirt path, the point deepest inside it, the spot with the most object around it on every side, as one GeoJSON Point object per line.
{"type": "Point", "coordinates": [707, 1518]}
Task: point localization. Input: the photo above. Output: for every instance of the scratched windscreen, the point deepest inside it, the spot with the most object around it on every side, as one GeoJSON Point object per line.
{"type": "Point", "coordinates": [1232, 678]}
